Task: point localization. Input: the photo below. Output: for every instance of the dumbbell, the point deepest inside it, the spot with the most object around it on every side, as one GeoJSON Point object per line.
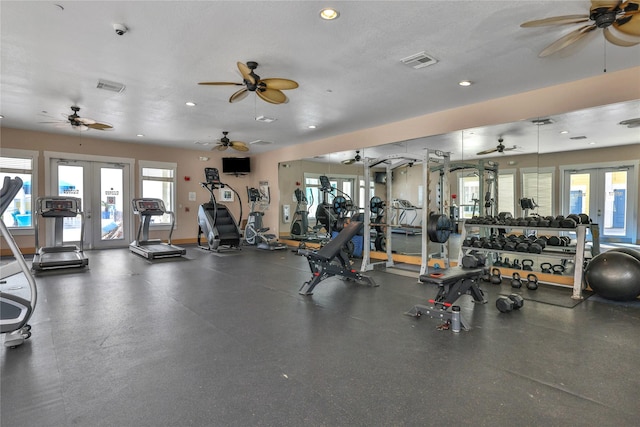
{"type": "Point", "coordinates": [510, 303]}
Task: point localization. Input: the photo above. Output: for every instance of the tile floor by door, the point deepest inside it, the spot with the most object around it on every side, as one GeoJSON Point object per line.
{"type": "Point", "coordinates": [226, 340]}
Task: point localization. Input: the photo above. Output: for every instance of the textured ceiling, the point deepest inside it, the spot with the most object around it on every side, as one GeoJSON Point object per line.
{"type": "Point", "coordinates": [349, 70]}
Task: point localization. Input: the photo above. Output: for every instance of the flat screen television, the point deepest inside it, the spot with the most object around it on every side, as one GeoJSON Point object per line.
{"type": "Point", "coordinates": [380, 178]}
{"type": "Point", "coordinates": [236, 165]}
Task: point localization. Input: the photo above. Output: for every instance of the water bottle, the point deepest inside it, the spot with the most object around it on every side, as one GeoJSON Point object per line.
{"type": "Point", "coordinates": [455, 318]}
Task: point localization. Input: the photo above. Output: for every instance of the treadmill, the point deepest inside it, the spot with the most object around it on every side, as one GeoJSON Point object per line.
{"type": "Point", "coordinates": [60, 255]}
{"type": "Point", "coordinates": [152, 248]}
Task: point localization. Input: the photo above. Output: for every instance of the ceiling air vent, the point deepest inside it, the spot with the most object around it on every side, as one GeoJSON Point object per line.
{"type": "Point", "coordinates": [631, 123]}
{"type": "Point", "coordinates": [575, 138]}
{"type": "Point", "coordinates": [419, 60]}
{"type": "Point", "coordinates": [542, 122]}
{"type": "Point", "coordinates": [265, 119]}
{"type": "Point", "coordinates": [110, 86]}
{"type": "Point", "coordinates": [260, 142]}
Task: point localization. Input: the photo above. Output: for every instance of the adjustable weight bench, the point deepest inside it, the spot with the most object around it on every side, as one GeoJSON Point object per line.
{"type": "Point", "coordinates": [332, 260]}
{"type": "Point", "coordinates": [452, 284]}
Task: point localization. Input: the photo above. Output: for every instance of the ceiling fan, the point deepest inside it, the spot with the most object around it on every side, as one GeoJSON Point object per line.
{"type": "Point", "coordinates": [500, 148]}
{"type": "Point", "coordinates": [81, 123]}
{"type": "Point", "coordinates": [225, 143]}
{"type": "Point", "coordinates": [269, 90]}
{"type": "Point", "coordinates": [357, 158]}
{"type": "Point", "coordinates": [620, 21]}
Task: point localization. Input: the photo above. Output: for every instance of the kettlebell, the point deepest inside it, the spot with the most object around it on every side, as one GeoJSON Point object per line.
{"type": "Point", "coordinates": [496, 278]}
{"type": "Point", "coordinates": [527, 264]}
{"type": "Point", "coordinates": [506, 262]}
{"type": "Point", "coordinates": [532, 281]}
{"type": "Point", "coordinates": [516, 264]}
{"type": "Point", "coordinates": [558, 269]}
{"type": "Point", "coordinates": [498, 262]}
{"type": "Point", "coordinates": [546, 267]}
{"type": "Point", "coordinates": [516, 281]}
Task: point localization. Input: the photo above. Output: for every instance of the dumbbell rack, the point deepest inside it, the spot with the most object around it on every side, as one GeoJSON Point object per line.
{"type": "Point", "coordinates": [577, 253]}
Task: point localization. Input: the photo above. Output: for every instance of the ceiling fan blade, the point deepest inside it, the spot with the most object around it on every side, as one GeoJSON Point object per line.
{"type": "Point", "coordinates": [79, 128]}
{"type": "Point", "coordinates": [221, 84]}
{"type": "Point", "coordinates": [510, 148]}
{"type": "Point", "coordinates": [280, 84]}
{"type": "Point", "coordinates": [85, 121]}
{"type": "Point", "coordinates": [617, 41]}
{"type": "Point", "coordinates": [99, 126]}
{"type": "Point", "coordinates": [556, 20]}
{"type": "Point", "coordinates": [492, 150]}
{"type": "Point", "coordinates": [239, 95]}
{"type": "Point", "coordinates": [611, 4]}
{"type": "Point", "coordinates": [246, 73]}
{"type": "Point", "coordinates": [630, 27]}
{"type": "Point", "coordinates": [240, 146]}
{"type": "Point", "coordinates": [221, 147]}
{"type": "Point", "coordinates": [273, 96]}
{"type": "Point", "coordinates": [567, 40]}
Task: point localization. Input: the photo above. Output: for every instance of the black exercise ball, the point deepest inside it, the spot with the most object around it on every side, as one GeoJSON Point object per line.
{"type": "Point", "coordinates": [614, 275]}
{"type": "Point", "coordinates": [634, 253]}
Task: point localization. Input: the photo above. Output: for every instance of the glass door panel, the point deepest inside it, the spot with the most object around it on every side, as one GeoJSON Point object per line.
{"type": "Point", "coordinates": [70, 183]}
{"type": "Point", "coordinates": [111, 203]}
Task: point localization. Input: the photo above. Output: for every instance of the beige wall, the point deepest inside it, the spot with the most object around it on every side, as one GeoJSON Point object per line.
{"type": "Point", "coordinates": [604, 89]}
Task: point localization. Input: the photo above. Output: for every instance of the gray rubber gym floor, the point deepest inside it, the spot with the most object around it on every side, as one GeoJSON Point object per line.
{"type": "Point", "coordinates": [226, 340]}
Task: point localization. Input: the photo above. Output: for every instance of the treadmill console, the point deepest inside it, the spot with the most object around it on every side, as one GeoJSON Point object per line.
{"type": "Point", "coordinates": [254, 194]}
{"type": "Point", "coordinates": [212, 176]}
{"type": "Point", "coordinates": [325, 185]}
{"type": "Point", "coordinates": [59, 206]}
{"type": "Point", "coordinates": [148, 206]}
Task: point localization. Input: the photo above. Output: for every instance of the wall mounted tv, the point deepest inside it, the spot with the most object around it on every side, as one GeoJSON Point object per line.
{"type": "Point", "coordinates": [380, 178]}
{"type": "Point", "coordinates": [236, 165]}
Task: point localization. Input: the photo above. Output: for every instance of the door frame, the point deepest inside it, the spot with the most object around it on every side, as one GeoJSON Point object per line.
{"type": "Point", "coordinates": [51, 187]}
{"type": "Point", "coordinates": [632, 197]}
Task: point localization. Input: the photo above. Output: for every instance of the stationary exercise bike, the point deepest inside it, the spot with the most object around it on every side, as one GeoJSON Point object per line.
{"type": "Point", "coordinates": [215, 221]}
{"type": "Point", "coordinates": [254, 232]}
{"type": "Point", "coordinates": [15, 311]}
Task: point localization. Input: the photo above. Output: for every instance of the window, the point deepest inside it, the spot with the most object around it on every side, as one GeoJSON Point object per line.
{"type": "Point", "coordinates": [506, 192]}
{"type": "Point", "coordinates": [537, 184]}
{"type": "Point", "coordinates": [19, 163]}
{"type": "Point", "coordinates": [159, 182]}
{"type": "Point", "coordinates": [469, 186]}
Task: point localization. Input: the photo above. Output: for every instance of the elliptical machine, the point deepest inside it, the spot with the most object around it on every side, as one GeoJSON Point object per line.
{"type": "Point", "coordinates": [300, 223]}
{"type": "Point", "coordinates": [215, 221]}
{"type": "Point", "coordinates": [254, 231]}
{"type": "Point", "coordinates": [15, 311]}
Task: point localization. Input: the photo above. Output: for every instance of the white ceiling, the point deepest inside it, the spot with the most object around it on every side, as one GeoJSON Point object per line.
{"type": "Point", "coordinates": [349, 70]}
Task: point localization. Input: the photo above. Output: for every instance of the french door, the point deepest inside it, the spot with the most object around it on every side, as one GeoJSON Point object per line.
{"type": "Point", "coordinates": [607, 195]}
{"type": "Point", "coordinates": [104, 191]}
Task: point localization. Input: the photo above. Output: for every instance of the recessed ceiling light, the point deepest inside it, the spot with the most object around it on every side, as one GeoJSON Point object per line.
{"type": "Point", "coordinates": [190, 104]}
{"type": "Point", "coordinates": [592, 143]}
{"type": "Point", "coordinates": [465, 83]}
{"type": "Point", "coordinates": [564, 132]}
{"type": "Point", "coordinates": [203, 158]}
{"type": "Point", "coordinates": [329, 14]}
{"type": "Point", "coordinates": [311, 126]}
{"type": "Point", "coordinates": [140, 135]}
{"type": "Point", "coordinates": [1, 116]}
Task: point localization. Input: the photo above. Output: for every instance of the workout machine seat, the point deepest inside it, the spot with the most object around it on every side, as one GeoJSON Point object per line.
{"type": "Point", "coordinates": [331, 260]}
{"type": "Point", "coordinates": [452, 284]}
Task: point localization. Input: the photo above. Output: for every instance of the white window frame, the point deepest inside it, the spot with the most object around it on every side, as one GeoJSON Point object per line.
{"type": "Point", "coordinates": [24, 154]}
{"type": "Point", "coordinates": [552, 190]}
{"type": "Point", "coordinates": [512, 173]}
{"type": "Point", "coordinates": [142, 164]}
